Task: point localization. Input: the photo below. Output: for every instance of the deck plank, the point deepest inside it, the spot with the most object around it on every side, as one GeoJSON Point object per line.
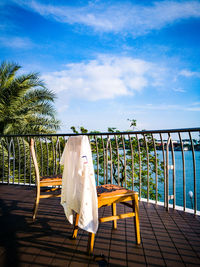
{"type": "Point", "coordinates": [168, 238]}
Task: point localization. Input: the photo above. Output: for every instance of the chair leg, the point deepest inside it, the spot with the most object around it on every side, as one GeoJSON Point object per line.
{"type": "Point", "coordinates": [136, 220]}
{"type": "Point", "coordinates": [75, 231]}
{"type": "Point", "coordinates": [37, 200]}
{"type": "Point", "coordinates": [114, 212]}
{"type": "Point", "coordinates": [91, 243]}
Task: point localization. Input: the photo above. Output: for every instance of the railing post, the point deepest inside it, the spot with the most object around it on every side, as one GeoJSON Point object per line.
{"type": "Point", "coordinates": [167, 175]}
{"type": "Point", "coordinates": [107, 144]}
{"type": "Point", "coordinates": [97, 158]}
{"type": "Point", "coordinates": [140, 175]}
{"type": "Point", "coordinates": [147, 156]}
{"type": "Point", "coordinates": [194, 174]}
{"type": "Point", "coordinates": [183, 162]}
{"type": "Point", "coordinates": [156, 168]}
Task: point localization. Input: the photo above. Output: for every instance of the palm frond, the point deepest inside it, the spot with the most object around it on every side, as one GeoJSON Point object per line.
{"type": "Point", "coordinates": [7, 73]}
{"type": "Point", "coordinates": [26, 105]}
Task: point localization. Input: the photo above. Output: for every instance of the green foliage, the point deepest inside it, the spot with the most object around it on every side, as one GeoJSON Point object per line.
{"type": "Point", "coordinates": [133, 123]}
{"type": "Point", "coordinates": [81, 128]}
{"type": "Point", "coordinates": [15, 159]}
{"type": "Point", "coordinates": [127, 161]}
{"type": "Point", "coordinates": [17, 165]}
{"type": "Point", "coordinates": [26, 105]}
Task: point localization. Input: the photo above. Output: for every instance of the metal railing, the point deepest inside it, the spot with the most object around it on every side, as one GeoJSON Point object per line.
{"type": "Point", "coordinates": [162, 165]}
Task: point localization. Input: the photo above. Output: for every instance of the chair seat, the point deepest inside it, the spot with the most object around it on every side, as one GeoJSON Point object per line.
{"type": "Point", "coordinates": [109, 194]}
{"type": "Point", "coordinates": [55, 178]}
{"type": "Point", "coordinates": [107, 190]}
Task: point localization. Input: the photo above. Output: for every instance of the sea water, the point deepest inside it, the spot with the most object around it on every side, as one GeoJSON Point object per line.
{"type": "Point", "coordinates": [189, 178]}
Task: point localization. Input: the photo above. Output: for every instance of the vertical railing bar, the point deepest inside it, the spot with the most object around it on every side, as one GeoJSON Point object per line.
{"type": "Point", "coordinates": [164, 166]}
{"type": "Point", "coordinates": [56, 153]}
{"type": "Point", "coordinates": [41, 149]}
{"type": "Point", "coordinates": [107, 143]}
{"type": "Point", "coordinates": [3, 160]}
{"type": "Point", "coordinates": [194, 174]}
{"type": "Point", "coordinates": [97, 151]}
{"type": "Point", "coordinates": [117, 150]}
{"type": "Point", "coordinates": [1, 147]}
{"type": "Point", "coordinates": [167, 172]}
{"type": "Point", "coordinates": [124, 149]}
{"type": "Point", "coordinates": [8, 146]}
{"type": "Point", "coordinates": [47, 155]}
{"type": "Point", "coordinates": [59, 156]}
{"type": "Point", "coordinates": [30, 157]}
{"type": "Point", "coordinates": [36, 152]}
{"type": "Point", "coordinates": [140, 176]}
{"type": "Point", "coordinates": [174, 174]}
{"type": "Point", "coordinates": [13, 158]}
{"type": "Point", "coordinates": [9, 160]}
{"type": "Point", "coordinates": [103, 159]}
{"type": "Point", "coordinates": [18, 144]}
{"type": "Point", "coordinates": [147, 153]}
{"type": "Point", "coordinates": [156, 166]}
{"type": "Point", "coordinates": [24, 160]}
{"type": "Point", "coordinates": [183, 162]}
{"type": "Point", "coordinates": [110, 146]}
{"type": "Point", "coordinates": [56, 145]}
{"type": "Point", "coordinates": [53, 155]}
{"type": "Point", "coordinates": [132, 162]}
{"type": "Point", "coordinates": [90, 142]}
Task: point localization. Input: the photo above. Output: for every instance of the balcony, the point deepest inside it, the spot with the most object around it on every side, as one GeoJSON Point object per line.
{"type": "Point", "coordinates": [154, 163]}
{"type": "Point", "coordinates": [168, 238]}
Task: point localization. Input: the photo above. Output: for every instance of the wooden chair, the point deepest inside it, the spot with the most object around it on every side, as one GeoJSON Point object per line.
{"type": "Point", "coordinates": [109, 194]}
{"type": "Point", "coordinates": [47, 182]}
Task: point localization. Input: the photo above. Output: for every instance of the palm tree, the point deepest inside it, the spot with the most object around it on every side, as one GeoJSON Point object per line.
{"type": "Point", "coordinates": [26, 105]}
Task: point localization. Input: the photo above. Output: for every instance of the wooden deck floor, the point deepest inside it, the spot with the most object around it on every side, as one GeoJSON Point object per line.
{"type": "Point", "coordinates": [168, 238]}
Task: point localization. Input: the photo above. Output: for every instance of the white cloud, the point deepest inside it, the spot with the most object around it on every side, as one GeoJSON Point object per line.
{"type": "Point", "coordinates": [196, 104]}
{"type": "Point", "coordinates": [62, 108]}
{"type": "Point", "coordinates": [188, 73]}
{"type": "Point", "coordinates": [158, 107]}
{"type": "Point", "coordinates": [16, 42]}
{"type": "Point", "coordinates": [193, 109]}
{"type": "Point", "coordinates": [124, 17]}
{"type": "Point", "coordinates": [104, 78]}
{"type": "Point", "coordinates": [145, 108]}
{"type": "Point", "coordinates": [180, 90]}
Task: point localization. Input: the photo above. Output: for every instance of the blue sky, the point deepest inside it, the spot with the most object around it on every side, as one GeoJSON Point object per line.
{"type": "Point", "coordinates": [109, 61]}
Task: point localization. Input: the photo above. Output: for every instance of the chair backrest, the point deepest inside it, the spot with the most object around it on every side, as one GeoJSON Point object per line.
{"type": "Point", "coordinates": [33, 154]}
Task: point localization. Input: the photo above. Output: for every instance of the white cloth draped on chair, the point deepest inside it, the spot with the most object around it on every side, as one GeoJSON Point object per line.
{"type": "Point", "coordinates": [78, 183]}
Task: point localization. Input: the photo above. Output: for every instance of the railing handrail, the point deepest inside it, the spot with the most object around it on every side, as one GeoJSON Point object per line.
{"type": "Point", "coordinates": [107, 133]}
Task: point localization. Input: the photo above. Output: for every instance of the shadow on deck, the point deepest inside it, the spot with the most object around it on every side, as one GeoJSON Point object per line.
{"type": "Point", "coordinates": [168, 238]}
